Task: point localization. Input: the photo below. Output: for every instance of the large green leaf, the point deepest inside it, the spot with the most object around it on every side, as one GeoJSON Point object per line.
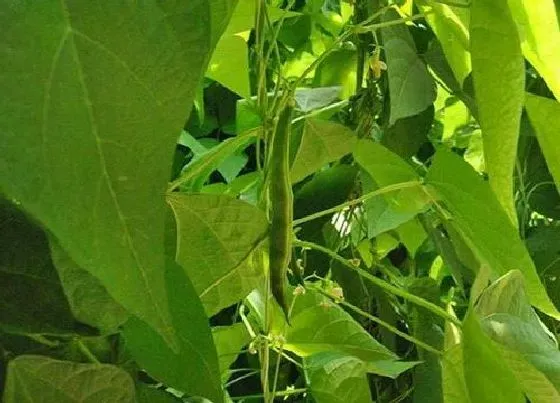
{"type": "Point", "coordinates": [540, 37]}
{"type": "Point", "coordinates": [488, 379]}
{"type": "Point", "coordinates": [89, 300]}
{"type": "Point", "coordinates": [411, 88]}
{"type": "Point", "coordinates": [499, 83]}
{"type": "Point", "coordinates": [453, 34]}
{"type": "Point", "coordinates": [337, 378]}
{"type": "Point", "coordinates": [484, 226]}
{"type": "Point", "coordinates": [31, 297]}
{"type": "Point", "coordinates": [319, 325]}
{"type": "Point", "coordinates": [507, 317]}
{"type": "Point", "coordinates": [543, 114]}
{"type": "Point", "coordinates": [91, 108]}
{"type": "Point", "coordinates": [322, 142]}
{"type": "Point", "coordinates": [192, 369]}
{"type": "Point", "coordinates": [216, 235]}
{"type": "Point", "coordinates": [34, 379]}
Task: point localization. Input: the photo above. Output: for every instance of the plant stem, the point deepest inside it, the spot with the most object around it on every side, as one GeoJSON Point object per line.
{"type": "Point", "coordinates": [277, 394]}
{"type": "Point", "coordinates": [342, 206]}
{"type": "Point", "coordinates": [85, 351]}
{"type": "Point", "coordinates": [380, 322]}
{"type": "Point", "coordinates": [382, 284]}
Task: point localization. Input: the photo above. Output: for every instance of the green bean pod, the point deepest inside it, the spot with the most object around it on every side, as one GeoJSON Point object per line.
{"type": "Point", "coordinates": [281, 201]}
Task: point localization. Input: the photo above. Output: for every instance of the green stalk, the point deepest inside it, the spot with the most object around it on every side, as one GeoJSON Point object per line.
{"type": "Point", "coordinates": [367, 196]}
{"type": "Point", "coordinates": [436, 310]}
{"type": "Point", "coordinates": [380, 322]}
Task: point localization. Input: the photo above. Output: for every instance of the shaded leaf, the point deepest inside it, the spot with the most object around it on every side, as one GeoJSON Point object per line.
{"type": "Point", "coordinates": [31, 297]}
{"type": "Point", "coordinates": [407, 134]}
{"type": "Point", "coordinates": [499, 83]}
{"type": "Point", "coordinates": [193, 369]}
{"type": "Point", "coordinates": [215, 237]}
{"type": "Point", "coordinates": [106, 94]}
{"type": "Point", "coordinates": [543, 244]}
{"type": "Point", "coordinates": [322, 142]}
{"type": "Point", "coordinates": [147, 394]}
{"type": "Point", "coordinates": [41, 379]}
{"type": "Point", "coordinates": [543, 114]}
{"type": "Point", "coordinates": [411, 88]}
{"type": "Point", "coordinates": [88, 298]}
{"type": "Point", "coordinates": [482, 223]}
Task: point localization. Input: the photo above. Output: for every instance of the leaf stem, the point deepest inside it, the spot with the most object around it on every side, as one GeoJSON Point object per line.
{"type": "Point", "coordinates": [367, 196]}
{"type": "Point", "coordinates": [85, 351]}
{"type": "Point", "coordinates": [380, 322]}
{"type": "Point", "coordinates": [287, 392]}
{"type": "Point", "coordinates": [381, 283]}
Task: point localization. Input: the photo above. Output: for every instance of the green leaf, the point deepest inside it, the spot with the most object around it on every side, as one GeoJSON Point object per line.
{"type": "Point", "coordinates": [216, 236]}
{"type": "Point", "coordinates": [309, 99]}
{"type": "Point", "coordinates": [322, 142]}
{"type": "Point", "coordinates": [93, 163]}
{"type": "Point", "coordinates": [147, 394]}
{"type": "Point", "coordinates": [499, 84]}
{"type": "Point", "coordinates": [387, 168]}
{"type": "Point", "coordinates": [89, 300]}
{"type": "Point", "coordinates": [229, 341]}
{"type": "Point", "coordinates": [197, 172]}
{"type": "Point", "coordinates": [338, 69]}
{"type": "Point", "coordinates": [412, 235]}
{"type": "Point", "coordinates": [453, 376]}
{"type": "Point", "coordinates": [336, 378]}
{"type": "Point", "coordinates": [31, 296]}
{"type": "Point", "coordinates": [484, 226]}
{"type": "Point", "coordinates": [543, 114]}
{"type": "Point", "coordinates": [230, 64]}
{"type": "Point", "coordinates": [487, 378]}
{"type": "Point", "coordinates": [411, 88]}
{"type": "Point", "coordinates": [319, 325]}
{"type": "Point", "coordinates": [193, 369]}
{"type": "Point", "coordinates": [540, 38]}
{"type": "Point", "coordinates": [452, 33]}
{"type": "Point", "coordinates": [407, 135]}
{"type": "Point", "coordinates": [34, 378]}
{"type": "Point", "coordinates": [543, 244]}
{"type": "Point", "coordinates": [507, 317]}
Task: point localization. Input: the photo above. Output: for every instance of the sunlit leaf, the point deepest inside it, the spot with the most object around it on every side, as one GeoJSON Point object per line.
{"type": "Point", "coordinates": [483, 225]}
{"type": "Point", "coordinates": [499, 84]}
